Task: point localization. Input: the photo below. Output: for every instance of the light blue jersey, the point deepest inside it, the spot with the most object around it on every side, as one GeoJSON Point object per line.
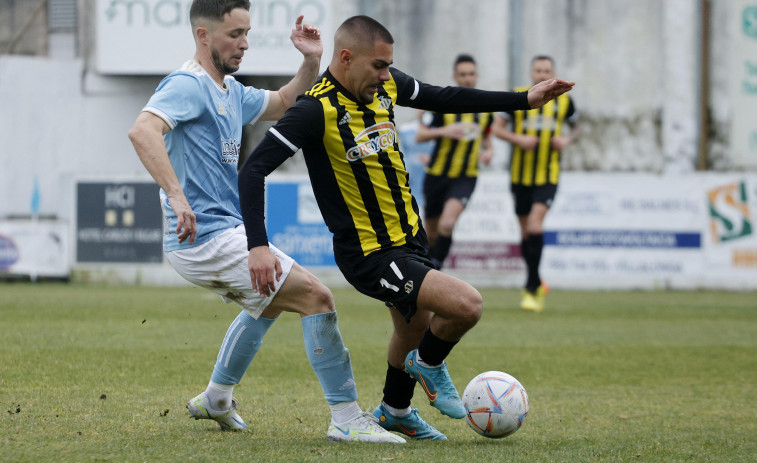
{"type": "Point", "coordinates": [203, 146]}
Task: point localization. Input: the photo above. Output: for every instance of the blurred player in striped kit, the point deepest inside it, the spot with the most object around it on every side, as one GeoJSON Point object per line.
{"type": "Point", "coordinates": [537, 137]}
{"type": "Point", "coordinates": [461, 142]}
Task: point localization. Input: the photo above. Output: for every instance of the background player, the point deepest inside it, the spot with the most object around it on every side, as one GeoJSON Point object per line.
{"type": "Point", "coordinates": [537, 138]}
{"type": "Point", "coordinates": [462, 141]}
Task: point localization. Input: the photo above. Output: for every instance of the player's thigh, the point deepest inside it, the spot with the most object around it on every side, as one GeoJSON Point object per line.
{"type": "Point", "coordinates": [535, 220]}
{"type": "Point", "coordinates": [453, 207]}
{"type": "Point", "coordinates": [448, 296]}
{"type": "Point", "coordinates": [303, 293]}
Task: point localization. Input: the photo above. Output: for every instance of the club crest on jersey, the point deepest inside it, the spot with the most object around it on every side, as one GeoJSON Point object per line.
{"type": "Point", "coordinates": [409, 286]}
{"type": "Point", "coordinates": [385, 102]}
{"type": "Point", "coordinates": [385, 140]}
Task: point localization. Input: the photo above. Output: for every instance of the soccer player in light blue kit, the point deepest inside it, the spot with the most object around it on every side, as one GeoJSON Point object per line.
{"type": "Point", "coordinates": [188, 137]}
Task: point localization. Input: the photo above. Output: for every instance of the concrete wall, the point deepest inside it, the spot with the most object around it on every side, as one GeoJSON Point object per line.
{"type": "Point", "coordinates": [635, 61]}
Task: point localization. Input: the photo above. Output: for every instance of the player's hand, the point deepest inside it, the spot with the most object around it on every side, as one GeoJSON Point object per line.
{"type": "Point", "coordinates": [307, 38]}
{"type": "Point", "coordinates": [543, 92]}
{"type": "Point", "coordinates": [527, 142]}
{"type": "Point", "coordinates": [560, 143]}
{"type": "Point", "coordinates": [265, 270]}
{"type": "Point", "coordinates": [455, 131]}
{"type": "Point", "coordinates": [186, 226]}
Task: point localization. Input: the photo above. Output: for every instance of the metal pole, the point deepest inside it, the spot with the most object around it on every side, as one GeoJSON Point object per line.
{"type": "Point", "coordinates": [704, 84]}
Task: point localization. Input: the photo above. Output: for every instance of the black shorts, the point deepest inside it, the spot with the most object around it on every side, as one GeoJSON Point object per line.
{"type": "Point", "coordinates": [393, 276]}
{"type": "Point", "coordinates": [525, 196]}
{"type": "Point", "coordinates": [437, 190]}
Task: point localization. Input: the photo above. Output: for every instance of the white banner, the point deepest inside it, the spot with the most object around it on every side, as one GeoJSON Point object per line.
{"type": "Point", "coordinates": [621, 231]}
{"type": "Point", "coordinates": [744, 83]}
{"type": "Point", "coordinates": [155, 37]}
{"type": "Point", "coordinates": [34, 248]}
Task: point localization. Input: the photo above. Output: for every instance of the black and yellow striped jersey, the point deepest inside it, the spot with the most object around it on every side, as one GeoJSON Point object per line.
{"type": "Point", "coordinates": [354, 161]}
{"type": "Point", "coordinates": [457, 158]}
{"type": "Point", "coordinates": [541, 165]}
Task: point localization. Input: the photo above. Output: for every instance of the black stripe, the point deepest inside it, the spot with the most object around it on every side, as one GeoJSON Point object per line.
{"type": "Point", "coordinates": [363, 180]}
{"type": "Point", "coordinates": [390, 173]}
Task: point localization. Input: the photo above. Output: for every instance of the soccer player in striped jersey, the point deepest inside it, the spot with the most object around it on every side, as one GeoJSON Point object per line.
{"type": "Point", "coordinates": [345, 127]}
{"type": "Point", "coordinates": [537, 136]}
{"type": "Point", "coordinates": [461, 142]}
{"type": "Point", "coordinates": [188, 138]}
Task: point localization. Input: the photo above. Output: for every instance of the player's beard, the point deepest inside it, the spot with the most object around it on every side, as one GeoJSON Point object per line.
{"type": "Point", "coordinates": [225, 68]}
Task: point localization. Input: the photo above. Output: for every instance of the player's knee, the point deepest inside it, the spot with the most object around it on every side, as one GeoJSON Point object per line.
{"type": "Point", "coordinates": [445, 227]}
{"type": "Point", "coordinates": [471, 308]}
{"type": "Point", "coordinates": [534, 230]}
{"type": "Point", "coordinates": [321, 297]}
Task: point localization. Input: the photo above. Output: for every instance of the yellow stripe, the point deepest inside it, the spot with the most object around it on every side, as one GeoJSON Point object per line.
{"type": "Point", "coordinates": [343, 171]}
{"type": "Point", "coordinates": [517, 155]}
{"type": "Point", "coordinates": [545, 143]}
{"type": "Point", "coordinates": [471, 170]}
{"type": "Point", "coordinates": [528, 161]}
{"type": "Point", "coordinates": [563, 102]}
{"type": "Point", "coordinates": [380, 182]}
{"type": "Point", "coordinates": [441, 157]}
{"type": "Point", "coordinates": [483, 121]}
{"type": "Point", "coordinates": [456, 166]}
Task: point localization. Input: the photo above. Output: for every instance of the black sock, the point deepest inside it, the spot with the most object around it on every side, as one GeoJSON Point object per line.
{"type": "Point", "coordinates": [398, 388]}
{"type": "Point", "coordinates": [433, 350]}
{"type": "Point", "coordinates": [534, 245]}
{"type": "Point", "coordinates": [439, 250]}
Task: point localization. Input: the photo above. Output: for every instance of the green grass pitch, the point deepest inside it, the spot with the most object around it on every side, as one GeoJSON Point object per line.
{"type": "Point", "coordinates": [92, 373]}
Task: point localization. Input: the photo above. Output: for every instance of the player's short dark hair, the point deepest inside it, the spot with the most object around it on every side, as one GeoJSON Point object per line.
{"type": "Point", "coordinates": [214, 9]}
{"type": "Point", "coordinates": [366, 30]}
{"type": "Point", "coordinates": [463, 58]}
{"type": "Point", "coordinates": [542, 57]}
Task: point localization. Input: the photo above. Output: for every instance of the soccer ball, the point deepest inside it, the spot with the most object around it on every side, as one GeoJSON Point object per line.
{"type": "Point", "coordinates": [496, 404]}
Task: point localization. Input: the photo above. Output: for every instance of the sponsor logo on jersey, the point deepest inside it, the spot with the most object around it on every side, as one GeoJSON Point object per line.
{"type": "Point", "coordinates": [385, 139]}
{"type": "Point", "coordinates": [221, 110]}
{"type": "Point", "coordinates": [409, 286]}
{"type": "Point", "coordinates": [346, 119]}
{"type": "Point", "coordinates": [385, 102]}
{"type": "Point", "coordinates": [230, 151]}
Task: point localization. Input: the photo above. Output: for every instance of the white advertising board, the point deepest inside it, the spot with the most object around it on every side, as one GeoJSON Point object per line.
{"type": "Point", "coordinates": [34, 248]}
{"type": "Point", "coordinates": [623, 231]}
{"type": "Point", "coordinates": [154, 36]}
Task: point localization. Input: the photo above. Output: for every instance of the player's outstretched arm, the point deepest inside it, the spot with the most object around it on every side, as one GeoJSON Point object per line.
{"type": "Point", "coordinates": [543, 92]}
{"type": "Point", "coordinates": [147, 137]}
{"type": "Point", "coordinates": [307, 39]}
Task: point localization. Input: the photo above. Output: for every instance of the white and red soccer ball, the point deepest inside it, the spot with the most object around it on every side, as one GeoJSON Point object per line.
{"type": "Point", "coordinates": [496, 404]}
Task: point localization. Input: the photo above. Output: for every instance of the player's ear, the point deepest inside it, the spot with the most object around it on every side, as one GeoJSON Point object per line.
{"type": "Point", "coordinates": [345, 57]}
{"type": "Point", "coordinates": [201, 35]}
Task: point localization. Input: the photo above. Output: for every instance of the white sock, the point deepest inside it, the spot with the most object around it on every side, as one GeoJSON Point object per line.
{"type": "Point", "coordinates": [397, 412]}
{"type": "Point", "coordinates": [424, 364]}
{"type": "Point", "coordinates": [219, 395]}
{"type": "Point", "coordinates": [344, 412]}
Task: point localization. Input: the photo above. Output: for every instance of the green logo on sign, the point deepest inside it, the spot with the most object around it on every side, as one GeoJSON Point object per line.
{"type": "Point", "coordinates": [749, 21]}
{"type": "Point", "coordinates": [729, 212]}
